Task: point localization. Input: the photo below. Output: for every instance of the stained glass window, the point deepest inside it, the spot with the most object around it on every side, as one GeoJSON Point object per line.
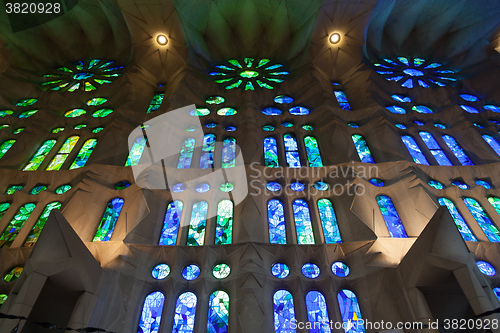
{"type": "Point", "coordinates": [221, 271]}
{"type": "Point", "coordinates": [492, 142]}
{"type": "Point", "coordinates": [297, 186]}
{"type": "Point", "coordinates": [151, 313]}
{"type": "Point", "coordinates": [391, 217]}
{"type": "Point", "coordinates": [136, 151]}
{"type": "Point", "coordinates": [364, 152]}
{"type": "Point", "coordinates": [317, 312]}
{"type": "Point", "coordinates": [63, 189]}
{"type": "Point", "coordinates": [122, 185]}
{"type": "Point", "coordinates": [229, 153]}
{"type": "Point", "coordinates": [457, 150]}
{"type": "Point", "coordinates": [63, 153]}
{"type": "Point", "coordinates": [224, 229]}
{"type": "Point", "coordinates": [462, 226]}
{"type": "Point", "coordinates": [215, 100]}
{"type": "Point", "coordinates": [303, 222]}
{"type": "Point", "coordinates": [13, 274]}
{"type": "Point", "coordinates": [97, 129]}
{"type": "Point", "coordinates": [460, 184]}
{"type": "Point", "coordinates": [102, 113]}
{"type": "Point", "coordinates": [342, 99]}
{"type": "Point", "coordinates": [38, 227]}
{"type": "Point", "coordinates": [434, 148]}
{"type": "Point", "coordinates": [191, 272]}
{"type": "Point", "coordinates": [5, 146]}
{"type": "Point", "coordinates": [483, 183]}
{"type": "Point", "coordinates": [218, 312]}
{"type": "Point", "coordinates": [350, 311]}
{"type": "Point", "coordinates": [284, 312]}
{"type": "Point", "coordinates": [422, 109]}
{"type": "Point", "coordinates": [207, 152]}
{"type": "Point", "coordinates": [108, 221]}
{"type": "Point", "coordinates": [486, 268]}
{"type": "Point", "coordinates": [84, 154]}
{"type": "Point", "coordinates": [160, 271]}
{"type": "Point", "coordinates": [186, 154]}
{"type": "Point", "coordinates": [307, 127]}
{"type": "Point", "coordinates": [299, 111]}
{"type": "Point", "coordinates": [291, 151]}
{"type": "Point", "coordinates": [273, 186]}
{"type": "Point", "coordinates": [494, 201]}
{"type": "Point", "coordinates": [39, 156]}
{"type": "Point", "coordinates": [270, 153]}
{"type": "Point", "coordinates": [268, 128]}
{"type": "Point", "coordinates": [329, 222]}
{"type": "Point", "coordinates": [280, 270]}
{"type": "Point", "coordinates": [226, 187]}
{"type": "Point", "coordinates": [312, 151]}
{"type": "Point", "coordinates": [226, 112]}
{"type": "Point", "coordinates": [196, 233]}
{"type": "Point", "coordinates": [276, 219]}
{"type": "Point", "coordinates": [396, 109]}
{"type": "Point", "coordinates": [377, 182]}
{"type": "Point", "coordinates": [340, 269]}
{"type": "Point", "coordinates": [185, 311]}
{"type": "Point", "coordinates": [401, 98]}
{"type": "Point", "coordinates": [4, 206]}
{"type": "Point", "coordinates": [3, 298]}
{"type": "Point", "coordinates": [155, 102]}
{"type": "Point", "coordinates": [490, 230]}
{"type": "Point", "coordinates": [171, 223]}
{"type": "Point", "coordinates": [310, 270]}
{"type": "Point", "coordinates": [321, 186]}
{"type": "Point", "coordinates": [414, 150]}
{"type": "Point", "coordinates": [75, 113]}
{"type": "Point", "coordinates": [469, 108]}
{"type": "Point", "coordinates": [16, 224]}
{"type": "Point", "coordinates": [283, 99]}
{"type": "Point", "coordinates": [202, 188]}
{"type": "Point", "coordinates": [13, 189]}
{"type": "Point", "coordinates": [497, 292]}
{"type": "Point", "coordinates": [271, 111]}
{"type": "Point", "coordinates": [37, 189]}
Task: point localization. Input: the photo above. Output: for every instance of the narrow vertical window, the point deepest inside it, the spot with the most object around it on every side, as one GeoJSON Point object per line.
{"type": "Point", "coordinates": [207, 152]}
{"type": "Point", "coordinates": [312, 150]}
{"type": "Point", "coordinates": [462, 226]}
{"type": "Point", "coordinates": [342, 99]}
{"type": "Point", "coordinates": [218, 312]}
{"type": "Point", "coordinates": [38, 227]}
{"type": "Point", "coordinates": [108, 221]}
{"type": "Point", "coordinates": [270, 153]}
{"type": "Point", "coordinates": [434, 148]}
{"type": "Point", "coordinates": [494, 201]}
{"type": "Point", "coordinates": [276, 219]}
{"type": "Point", "coordinates": [186, 154]}
{"type": "Point", "coordinates": [414, 150]}
{"type": "Point", "coordinates": [489, 140]}
{"type": "Point", "coordinates": [185, 311]}
{"type": "Point", "coordinates": [84, 154]}
{"type": "Point", "coordinates": [171, 223]}
{"type": "Point", "coordinates": [39, 156]}
{"type": "Point", "coordinates": [229, 153]}
{"type": "Point", "coordinates": [364, 152]}
{"type": "Point", "coordinates": [224, 229]}
{"type": "Point", "coordinates": [196, 233]}
{"type": "Point", "coordinates": [155, 102]}
{"type": "Point", "coordinates": [5, 146]}
{"type": "Point", "coordinates": [151, 313]}
{"type": "Point", "coordinates": [291, 151]}
{"type": "Point", "coordinates": [329, 222]}
{"type": "Point", "coordinates": [457, 150]}
{"type": "Point", "coordinates": [350, 311]}
{"type": "Point", "coordinates": [391, 217]}
{"type": "Point", "coordinates": [136, 151]}
{"type": "Point", "coordinates": [317, 312]}
{"type": "Point", "coordinates": [4, 206]}
{"type": "Point", "coordinates": [490, 230]}
{"type": "Point", "coordinates": [303, 224]}
{"type": "Point", "coordinates": [284, 312]}
{"type": "Point", "coordinates": [63, 153]}
{"type": "Point", "coordinates": [16, 224]}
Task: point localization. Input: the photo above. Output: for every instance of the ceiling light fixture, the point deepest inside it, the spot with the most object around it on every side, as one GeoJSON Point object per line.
{"type": "Point", "coordinates": [334, 38]}
{"type": "Point", "coordinates": [162, 39]}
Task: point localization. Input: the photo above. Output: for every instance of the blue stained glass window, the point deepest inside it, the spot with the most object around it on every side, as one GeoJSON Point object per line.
{"type": "Point", "coordinates": [469, 98]}
{"type": "Point", "coordinates": [434, 148]}
{"type": "Point", "coordinates": [310, 270]}
{"type": "Point", "coordinates": [391, 217]}
{"type": "Point", "coordinates": [224, 229]}
{"type": "Point", "coordinates": [329, 222]}
{"type": "Point", "coordinates": [490, 230]}
{"type": "Point", "coordinates": [317, 312]}
{"type": "Point", "coordinates": [218, 312]}
{"type": "Point", "coordinates": [186, 154]}
{"type": "Point", "coordinates": [321, 186]}
{"type": "Point", "coordinates": [270, 153]}
{"type": "Point", "coordinates": [342, 99]}
{"type": "Point", "coordinates": [422, 109]}
{"type": "Point", "coordinates": [493, 121]}
{"type": "Point", "coordinates": [230, 128]}
{"type": "Point", "coordinates": [280, 270]}
{"type": "Point", "coordinates": [396, 109]}
{"type": "Point", "coordinates": [350, 311]}
{"type": "Point", "coordinates": [191, 272]}
{"type": "Point", "coordinates": [457, 150]}
{"type": "Point", "coordinates": [297, 186]}
{"type": "Point", "coordinates": [353, 125]}
{"type": "Point", "coordinates": [414, 150]}
{"type": "Point", "coordinates": [273, 186]}
{"type": "Point", "coordinates": [462, 226]}
{"type": "Point", "coordinates": [229, 153]}
{"type": "Point", "coordinates": [211, 125]}
{"type": "Point", "coordinates": [202, 188]}
{"type": "Point", "coordinates": [401, 98]}
{"type": "Point", "coordinates": [435, 184]}
{"type": "Point", "coordinates": [207, 152]}
{"type": "Point", "coordinates": [108, 221]}
{"type": "Point", "coordinates": [196, 233]}
{"type": "Point", "coordinates": [440, 126]}
{"type": "Point", "coordinates": [283, 99]}
{"type": "Point", "coordinates": [418, 123]}
{"type": "Point", "coordinates": [340, 269]}
{"type": "Point", "coordinates": [270, 111]}
{"type": "Point", "coordinates": [284, 312]}
{"type": "Point", "coordinates": [312, 151]}
{"type": "Point", "coordinates": [178, 188]}
{"type": "Point", "coordinates": [469, 109]}
{"type": "Point", "coordinates": [401, 126]}
{"type": "Point", "coordinates": [483, 183]}
{"type": "Point", "coordinates": [377, 182]}
{"type": "Point", "coordinates": [408, 83]}
{"type": "Point", "coordinates": [303, 222]}
{"type": "Point", "coordinates": [364, 152]}
{"type": "Point", "coordinates": [497, 292]}
{"type": "Point", "coordinates": [291, 151]}
{"type": "Point", "coordinates": [493, 108]}
{"type": "Point", "coordinates": [268, 128]}
{"type": "Point", "coordinates": [460, 184]}
{"type": "Point", "coordinates": [160, 271]}
{"type": "Point", "coordinates": [478, 125]}
{"type": "Point", "coordinates": [185, 311]}
{"type": "Point", "coordinates": [171, 223]}
{"type": "Point", "coordinates": [151, 313]}
{"type": "Point", "coordinates": [299, 111]}
{"type": "Point", "coordinates": [486, 268]}
{"type": "Point", "coordinates": [276, 219]}
{"type": "Point", "coordinates": [492, 142]}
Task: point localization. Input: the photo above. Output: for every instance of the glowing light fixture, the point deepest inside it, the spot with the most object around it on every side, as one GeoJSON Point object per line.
{"type": "Point", "coordinates": [162, 39]}
{"type": "Point", "coordinates": [334, 38]}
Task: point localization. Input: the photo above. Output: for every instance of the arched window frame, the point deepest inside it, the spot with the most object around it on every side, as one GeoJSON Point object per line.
{"type": "Point", "coordinates": [392, 226]}
{"type": "Point", "coordinates": [275, 233]}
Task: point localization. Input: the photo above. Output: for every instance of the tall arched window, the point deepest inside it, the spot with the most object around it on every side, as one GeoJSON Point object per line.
{"type": "Point", "coordinates": [224, 229]}
{"type": "Point", "coordinates": [229, 153]}
{"type": "Point", "coordinates": [364, 152]}
{"type": "Point", "coordinates": [207, 152]}
{"type": "Point", "coordinates": [350, 311]}
{"type": "Point", "coordinates": [151, 313]}
{"type": "Point", "coordinates": [136, 151]}
{"type": "Point", "coordinates": [171, 223]}
{"type": "Point", "coordinates": [434, 148]}
{"type": "Point", "coordinates": [303, 224]}
{"type": "Point", "coordinates": [185, 311]}
{"type": "Point", "coordinates": [270, 153]}
{"type": "Point", "coordinates": [63, 153]}
{"type": "Point", "coordinates": [218, 312]}
{"type": "Point", "coordinates": [108, 221]}
{"type": "Point", "coordinates": [492, 142]}
{"type": "Point", "coordinates": [39, 156]}
{"type": "Point", "coordinates": [37, 228]}
{"type": "Point", "coordinates": [196, 233]}
{"type": "Point", "coordinates": [414, 150]}
{"type": "Point", "coordinates": [312, 150]}
{"type": "Point", "coordinates": [317, 312]}
{"type": "Point", "coordinates": [186, 154]}
{"type": "Point", "coordinates": [329, 222]}
{"type": "Point", "coordinates": [291, 151]}
{"type": "Point", "coordinates": [391, 217]}
{"type": "Point", "coordinates": [284, 312]}
{"type": "Point", "coordinates": [5, 146]}
{"type": "Point", "coordinates": [16, 224]}
{"type": "Point", "coordinates": [490, 230]}
{"type": "Point", "coordinates": [462, 226]}
{"type": "Point", "coordinates": [276, 219]}
{"type": "Point", "coordinates": [457, 150]}
{"type": "Point", "coordinates": [84, 154]}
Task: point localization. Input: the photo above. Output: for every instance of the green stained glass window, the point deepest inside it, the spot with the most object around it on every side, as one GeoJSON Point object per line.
{"type": "Point", "coordinates": [226, 187]}
{"type": "Point", "coordinates": [5, 146]}
{"type": "Point", "coordinates": [303, 222]}
{"type": "Point", "coordinates": [108, 221]}
{"type": "Point", "coordinates": [136, 151]}
{"type": "Point", "coordinates": [199, 112]}
{"type": "Point", "coordinates": [63, 189]}
{"type": "Point", "coordinates": [156, 102]}
{"type": "Point", "coordinates": [15, 225]}
{"type": "Point", "coordinates": [329, 222]}
{"type": "Point", "coordinates": [102, 113]}
{"type": "Point", "coordinates": [186, 154]}
{"type": "Point", "coordinates": [63, 153]}
{"type": "Point", "coordinates": [312, 150]}
{"type": "Point", "coordinates": [4, 206]}
{"type": "Point", "coordinates": [364, 152]}
{"type": "Point", "coordinates": [13, 189]}
{"type": "Point", "coordinates": [37, 189]}
{"type": "Point", "coordinates": [13, 274]}
{"type": "Point", "coordinates": [96, 101]}
{"type": "Point", "coordinates": [97, 129]}
{"type": "Point", "coordinates": [84, 154]}
{"type": "Point", "coordinates": [75, 113]}
{"type": "Point", "coordinates": [4, 113]}
{"type": "Point", "coordinates": [226, 112]}
{"type": "Point", "coordinates": [27, 102]}
{"type": "Point", "coordinates": [39, 156]}
{"type": "Point", "coordinates": [3, 298]}
{"type": "Point", "coordinates": [224, 229]}
{"type": "Point", "coordinates": [4, 126]}
{"type": "Point", "coordinates": [27, 114]}
{"type": "Point", "coordinates": [37, 228]}
{"type": "Point", "coordinates": [196, 233]}
{"type": "Point", "coordinates": [218, 312]}
{"type": "Point", "coordinates": [215, 100]}
{"type": "Point", "coordinates": [221, 271]}
{"type": "Point", "coordinates": [18, 130]}
{"type": "Point", "coordinates": [57, 130]}
{"type": "Point", "coordinates": [229, 153]}
{"type": "Point", "coordinates": [80, 126]}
